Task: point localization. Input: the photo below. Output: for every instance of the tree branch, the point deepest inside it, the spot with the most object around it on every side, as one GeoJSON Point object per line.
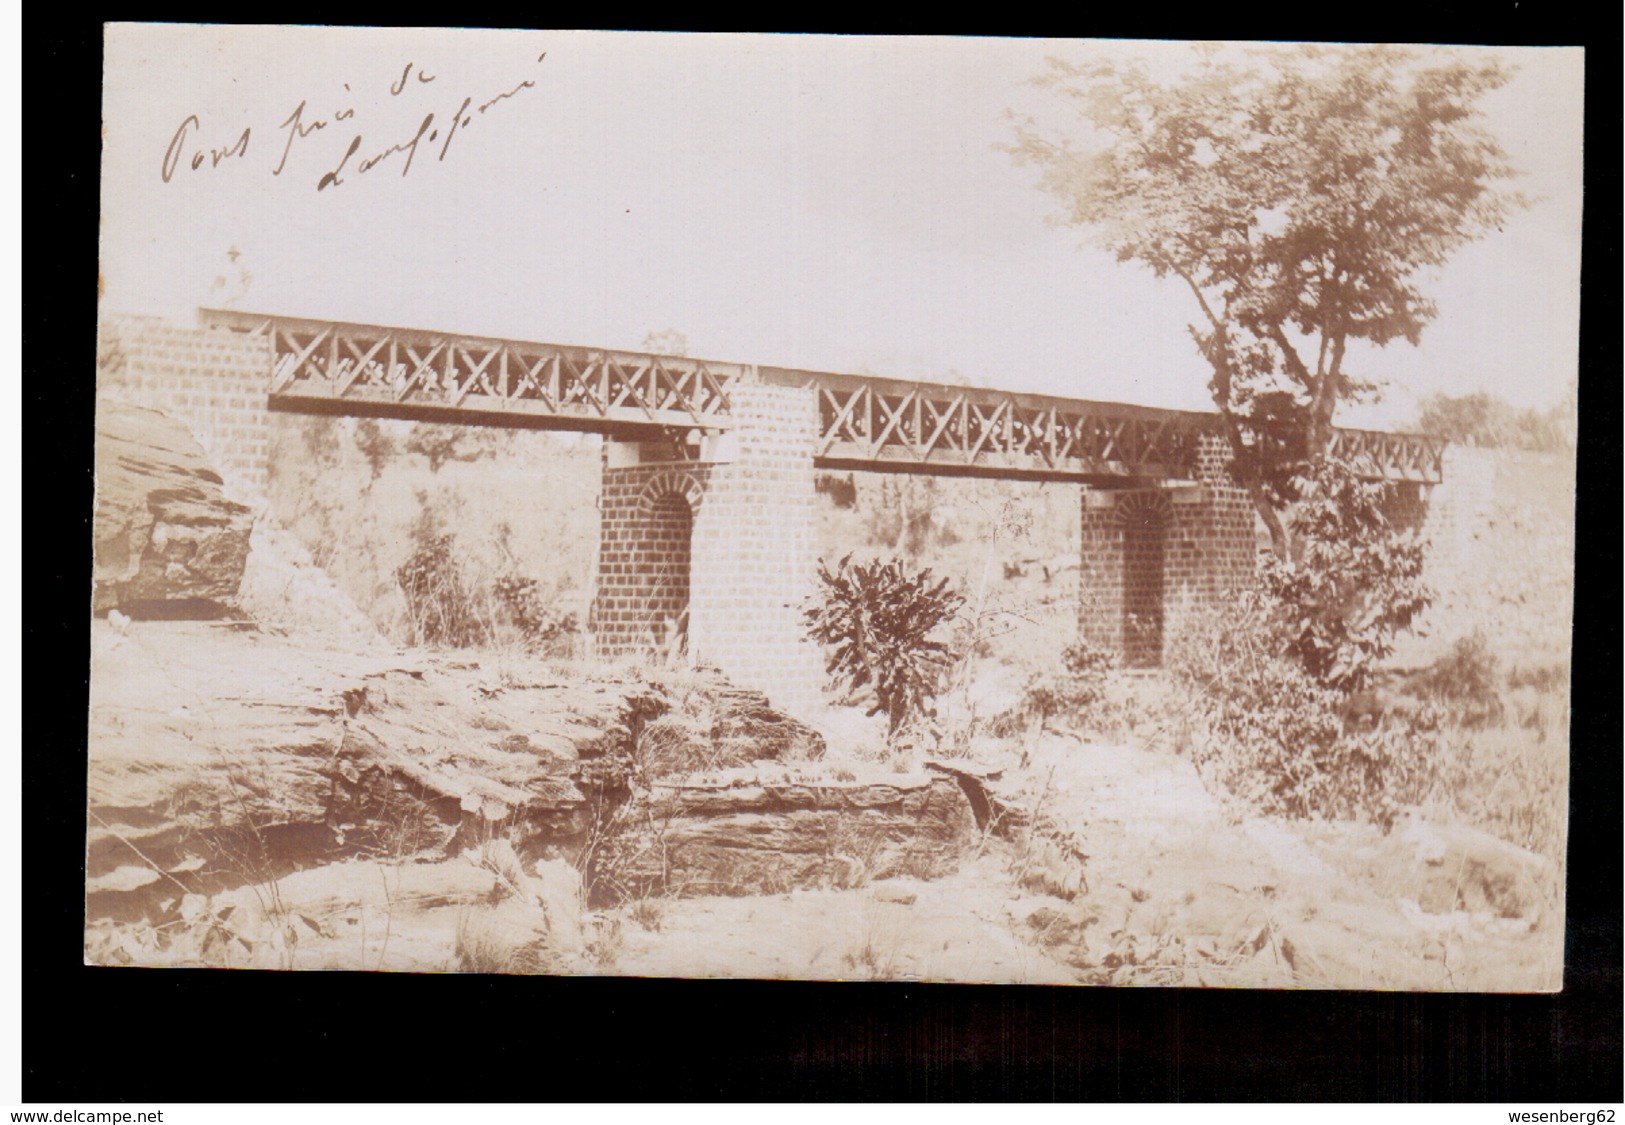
{"type": "Point", "coordinates": [1294, 363]}
{"type": "Point", "coordinates": [1201, 299]}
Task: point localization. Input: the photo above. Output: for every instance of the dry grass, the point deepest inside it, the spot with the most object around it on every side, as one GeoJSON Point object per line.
{"type": "Point", "coordinates": [649, 912]}
{"type": "Point", "coordinates": [487, 945]}
{"type": "Point", "coordinates": [875, 953]}
{"type": "Point", "coordinates": [1510, 778]}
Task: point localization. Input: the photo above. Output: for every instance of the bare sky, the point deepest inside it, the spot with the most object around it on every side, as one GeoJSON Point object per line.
{"type": "Point", "coordinates": [820, 202]}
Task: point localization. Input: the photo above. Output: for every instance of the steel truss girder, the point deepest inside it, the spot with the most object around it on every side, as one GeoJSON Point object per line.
{"type": "Point", "coordinates": [944, 429]}
{"type": "Point", "coordinates": [864, 421]}
{"type": "Point", "coordinates": [327, 365]}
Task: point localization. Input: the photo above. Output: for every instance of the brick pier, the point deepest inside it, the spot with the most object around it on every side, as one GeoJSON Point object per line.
{"type": "Point", "coordinates": [746, 499]}
{"type": "Point", "coordinates": [1153, 556]}
{"type": "Point", "coordinates": [214, 382]}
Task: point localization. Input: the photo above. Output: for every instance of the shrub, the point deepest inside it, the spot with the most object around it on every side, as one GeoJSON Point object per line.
{"type": "Point", "coordinates": [1073, 691]}
{"type": "Point", "coordinates": [1541, 677]}
{"type": "Point", "coordinates": [1277, 740]}
{"type": "Point", "coordinates": [445, 608]}
{"type": "Point", "coordinates": [1275, 735]}
{"type": "Point", "coordinates": [876, 620]}
{"type": "Point", "coordinates": [437, 601]}
{"type": "Point", "coordinates": [1353, 583]}
{"type": "Point", "coordinates": [1466, 680]}
{"type": "Point", "coordinates": [526, 608]}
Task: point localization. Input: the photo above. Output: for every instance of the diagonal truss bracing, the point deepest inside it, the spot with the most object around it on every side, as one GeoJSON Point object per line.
{"type": "Point", "coordinates": [887, 424]}
{"type": "Point", "coordinates": [865, 422]}
{"type": "Point", "coordinates": [362, 368]}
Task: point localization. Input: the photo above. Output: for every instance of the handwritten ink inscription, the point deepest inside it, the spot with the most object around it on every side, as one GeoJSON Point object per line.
{"type": "Point", "coordinates": [189, 149]}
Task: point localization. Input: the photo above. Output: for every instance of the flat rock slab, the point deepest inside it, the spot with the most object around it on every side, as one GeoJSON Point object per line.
{"type": "Point", "coordinates": [218, 752]}
{"type": "Point", "coordinates": [771, 834]}
{"type": "Point", "coordinates": [1180, 894]}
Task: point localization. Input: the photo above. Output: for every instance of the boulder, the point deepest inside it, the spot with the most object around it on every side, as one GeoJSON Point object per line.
{"type": "Point", "coordinates": [167, 541]}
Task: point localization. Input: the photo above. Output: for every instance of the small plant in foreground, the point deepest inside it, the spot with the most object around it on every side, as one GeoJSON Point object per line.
{"type": "Point", "coordinates": [1071, 692]}
{"type": "Point", "coordinates": [1467, 681]}
{"type": "Point", "coordinates": [876, 620]}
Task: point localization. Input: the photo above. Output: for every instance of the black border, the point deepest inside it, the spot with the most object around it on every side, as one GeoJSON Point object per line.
{"type": "Point", "coordinates": [165, 1036]}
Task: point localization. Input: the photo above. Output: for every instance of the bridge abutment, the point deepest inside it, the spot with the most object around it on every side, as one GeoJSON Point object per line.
{"type": "Point", "coordinates": [213, 382]}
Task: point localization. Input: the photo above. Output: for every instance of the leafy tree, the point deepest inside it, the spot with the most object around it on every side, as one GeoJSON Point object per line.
{"type": "Point", "coordinates": [876, 619]}
{"type": "Point", "coordinates": [668, 341]}
{"type": "Point", "coordinates": [1299, 193]}
{"type": "Point", "coordinates": [1482, 419]}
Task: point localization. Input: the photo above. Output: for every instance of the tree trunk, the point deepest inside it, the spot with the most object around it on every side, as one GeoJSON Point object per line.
{"type": "Point", "coordinates": [1280, 540]}
{"type": "Point", "coordinates": [1324, 405]}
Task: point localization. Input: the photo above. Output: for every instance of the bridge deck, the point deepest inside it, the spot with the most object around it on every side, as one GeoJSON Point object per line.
{"type": "Point", "coordinates": [866, 422]}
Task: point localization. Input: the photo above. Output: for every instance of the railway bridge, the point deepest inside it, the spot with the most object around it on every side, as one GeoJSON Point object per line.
{"type": "Point", "coordinates": [708, 528]}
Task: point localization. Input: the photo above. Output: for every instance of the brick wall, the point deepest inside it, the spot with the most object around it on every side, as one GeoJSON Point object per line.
{"type": "Point", "coordinates": [1145, 520]}
{"type": "Point", "coordinates": [647, 513]}
{"type": "Point", "coordinates": [1152, 557]}
{"type": "Point", "coordinates": [212, 380]}
{"type": "Point", "coordinates": [1407, 505]}
{"type": "Point", "coordinates": [718, 553]}
{"type": "Point", "coordinates": [1459, 507]}
{"type": "Point", "coordinates": [756, 548]}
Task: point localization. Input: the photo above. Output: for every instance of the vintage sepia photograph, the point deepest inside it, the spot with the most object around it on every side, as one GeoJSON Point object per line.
{"type": "Point", "coordinates": [842, 508]}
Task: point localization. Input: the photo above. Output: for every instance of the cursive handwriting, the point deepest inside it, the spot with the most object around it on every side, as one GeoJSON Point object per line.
{"type": "Point", "coordinates": [297, 128]}
{"type": "Point", "coordinates": [397, 86]}
{"type": "Point", "coordinates": [510, 93]}
{"type": "Point", "coordinates": [301, 129]}
{"type": "Point", "coordinates": [177, 147]}
{"type": "Point", "coordinates": [409, 147]}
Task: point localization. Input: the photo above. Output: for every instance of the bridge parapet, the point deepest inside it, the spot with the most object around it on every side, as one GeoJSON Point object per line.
{"type": "Point", "coordinates": [1380, 455]}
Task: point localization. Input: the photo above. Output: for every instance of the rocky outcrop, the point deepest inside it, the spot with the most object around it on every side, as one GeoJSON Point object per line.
{"type": "Point", "coordinates": [1458, 868]}
{"type": "Point", "coordinates": [223, 755]}
{"type": "Point", "coordinates": [770, 828]}
{"type": "Point", "coordinates": [167, 541]}
{"type": "Point", "coordinates": [244, 754]}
